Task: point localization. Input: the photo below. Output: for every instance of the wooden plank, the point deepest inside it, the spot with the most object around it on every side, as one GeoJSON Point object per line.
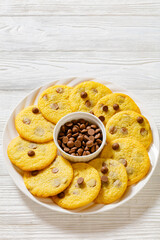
{"type": "Point", "coordinates": [26, 71]}
{"type": "Point", "coordinates": [83, 7]}
{"type": "Point", "coordinates": [140, 34]}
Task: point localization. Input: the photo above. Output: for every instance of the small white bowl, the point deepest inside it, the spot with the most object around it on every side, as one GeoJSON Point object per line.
{"type": "Point", "coordinates": [75, 116]}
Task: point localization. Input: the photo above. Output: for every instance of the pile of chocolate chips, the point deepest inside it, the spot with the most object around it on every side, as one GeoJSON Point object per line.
{"type": "Point", "coordinates": [80, 137]}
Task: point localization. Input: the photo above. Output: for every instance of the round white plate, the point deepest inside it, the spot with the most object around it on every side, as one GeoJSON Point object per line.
{"type": "Point", "coordinates": [10, 133]}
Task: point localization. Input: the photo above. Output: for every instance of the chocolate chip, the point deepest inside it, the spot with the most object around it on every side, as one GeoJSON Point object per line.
{"type": "Point", "coordinates": [97, 136]}
{"type": "Point", "coordinates": [104, 169]}
{"type": "Point", "coordinates": [102, 118]}
{"type": "Point", "coordinates": [95, 90]}
{"type": "Point", "coordinates": [82, 126]}
{"type": "Point", "coordinates": [61, 134]}
{"type": "Point", "coordinates": [105, 108]}
{"type": "Point", "coordinates": [92, 183]}
{"type": "Point", "coordinates": [91, 138]}
{"type": "Point", "coordinates": [78, 143]}
{"type": "Point", "coordinates": [91, 112]}
{"type": "Point", "coordinates": [80, 138]}
{"type": "Point", "coordinates": [45, 97]}
{"type": "Point", "coordinates": [61, 195]}
{"type": "Point", "coordinates": [35, 110]}
{"type": "Point", "coordinates": [80, 151]}
{"type": "Point", "coordinates": [75, 130]}
{"type": "Point", "coordinates": [75, 135]}
{"type": "Point", "coordinates": [140, 119]}
{"type": "Point", "coordinates": [66, 149]}
{"type": "Point", "coordinates": [86, 138]}
{"type": "Point", "coordinates": [93, 126]}
{"type": "Point", "coordinates": [32, 145]}
{"type": "Point", "coordinates": [89, 143]}
{"type": "Point", "coordinates": [91, 132]}
{"type": "Point", "coordinates": [54, 106]}
{"type": "Point", "coordinates": [112, 129]}
{"type": "Point", "coordinates": [99, 141]}
{"type": "Point", "coordinates": [70, 144]}
{"type": "Point", "coordinates": [69, 124]}
{"type": "Point", "coordinates": [123, 161]}
{"type": "Point", "coordinates": [59, 90]}
{"type": "Point", "coordinates": [93, 149]}
{"type": "Point", "coordinates": [115, 146]}
{"type": "Point", "coordinates": [73, 154]}
{"type": "Point", "coordinates": [103, 164]}
{"type": "Point", "coordinates": [69, 135]}
{"type": "Point", "coordinates": [55, 170]}
{"type": "Point", "coordinates": [84, 153]}
{"type": "Point", "coordinates": [86, 148]}
{"type": "Point", "coordinates": [65, 139]}
{"type": "Point", "coordinates": [87, 152]}
{"type": "Point", "coordinates": [63, 129]}
{"type": "Point", "coordinates": [34, 173]}
{"type": "Point", "coordinates": [115, 106]}
{"type": "Point", "coordinates": [84, 131]}
{"type": "Point", "coordinates": [97, 130]}
{"type": "Point", "coordinates": [80, 180]}
{"type": "Point", "coordinates": [72, 139]}
{"type": "Point", "coordinates": [143, 132]}
{"type": "Point", "coordinates": [59, 142]}
{"type": "Point", "coordinates": [124, 130]}
{"type": "Point", "coordinates": [104, 179]}
{"type": "Point", "coordinates": [31, 153]}
{"type": "Point", "coordinates": [88, 103]}
{"type": "Point", "coordinates": [97, 147]}
{"type": "Point", "coordinates": [26, 121]}
{"type": "Point", "coordinates": [84, 94]}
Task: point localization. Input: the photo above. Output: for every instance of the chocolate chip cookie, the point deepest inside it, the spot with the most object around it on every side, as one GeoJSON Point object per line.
{"type": "Point", "coordinates": [54, 102]}
{"type": "Point", "coordinates": [32, 126]}
{"type": "Point", "coordinates": [84, 188]}
{"type": "Point", "coordinates": [50, 181]}
{"type": "Point", "coordinates": [30, 156]}
{"type": "Point", "coordinates": [129, 124]}
{"type": "Point", "coordinates": [112, 104]}
{"type": "Point", "coordinates": [132, 154]}
{"type": "Point", "coordinates": [113, 178]}
{"type": "Point", "coordinates": [85, 95]}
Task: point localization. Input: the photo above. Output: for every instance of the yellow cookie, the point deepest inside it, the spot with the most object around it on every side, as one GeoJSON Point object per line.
{"type": "Point", "coordinates": [113, 103]}
{"type": "Point", "coordinates": [31, 156]}
{"type": "Point", "coordinates": [113, 177]}
{"type": "Point", "coordinates": [84, 188]}
{"type": "Point", "coordinates": [50, 181]}
{"type": "Point", "coordinates": [54, 102]}
{"type": "Point", "coordinates": [32, 126]}
{"type": "Point", "coordinates": [132, 154]}
{"type": "Point", "coordinates": [129, 124]}
{"type": "Point", "coordinates": [85, 95]}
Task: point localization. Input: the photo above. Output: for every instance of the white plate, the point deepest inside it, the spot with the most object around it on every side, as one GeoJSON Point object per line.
{"type": "Point", "coordinates": [10, 133]}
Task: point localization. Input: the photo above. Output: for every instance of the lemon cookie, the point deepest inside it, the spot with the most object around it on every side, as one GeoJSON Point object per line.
{"type": "Point", "coordinates": [129, 124]}
{"type": "Point", "coordinates": [85, 95]}
{"type": "Point", "coordinates": [113, 103]}
{"type": "Point", "coordinates": [31, 156]}
{"type": "Point", "coordinates": [50, 181]}
{"type": "Point", "coordinates": [132, 154]}
{"type": "Point", "coordinates": [113, 177]}
{"type": "Point", "coordinates": [32, 126]}
{"type": "Point", "coordinates": [84, 188]}
{"type": "Point", "coordinates": [54, 102]}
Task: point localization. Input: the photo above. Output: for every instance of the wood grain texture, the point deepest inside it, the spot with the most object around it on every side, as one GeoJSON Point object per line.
{"type": "Point", "coordinates": [45, 40]}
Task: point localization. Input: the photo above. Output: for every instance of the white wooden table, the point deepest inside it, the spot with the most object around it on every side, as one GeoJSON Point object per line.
{"type": "Point", "coordinates": [44, 40]}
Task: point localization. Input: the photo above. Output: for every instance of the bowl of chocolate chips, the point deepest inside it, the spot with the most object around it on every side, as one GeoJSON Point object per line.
{"type": "Point", "coordinates": [79, 136]}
